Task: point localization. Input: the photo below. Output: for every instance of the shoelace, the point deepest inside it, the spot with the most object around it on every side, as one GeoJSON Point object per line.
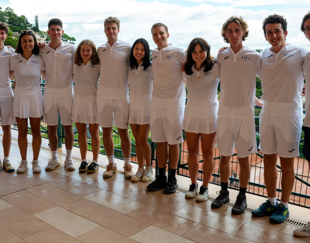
{"type": "Point", "coordinates": [307, 227]}
{"type": "Point", "coordinates": [22, 163]}
{"type": "Point", "coordinates": [52, 162]}
{"type": "Point", "coordinates": [7, 163]}
{"type": "Point", "coordinates": [35, 163]}
{"type": "Point", "coordinates": [69, 162]}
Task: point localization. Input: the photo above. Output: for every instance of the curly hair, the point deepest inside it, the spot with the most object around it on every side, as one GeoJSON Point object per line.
{"type": "Point", "coordinates": [78, 58]}
{"type": "Point", "coordinates": [307, 16]}
{"type": "Point", "coordinates": [189, 62]}
{"type": "Point", "coordinates": [241, 22]}
{"type": "Point", "coordinates": [4, 26]}
{"type": "Point", "coordinates": [275, 19]}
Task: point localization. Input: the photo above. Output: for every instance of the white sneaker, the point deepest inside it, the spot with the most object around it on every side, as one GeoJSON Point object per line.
{"type": "Point", "coordinates": [148, 174]}
{"type": "Point", "coordinates": [35, 167]}
{"type": "Point", "coordinates": [304, 231]}
{"type": "Point", "coordinates": [69, 165]}
{"type": "Point", "coordinates": [138, 175]}
{"type": "Point", "coordinates": [111, 169]}
{"type": "Point", "coordinates": [128, 171]}
{"type": "Point", "coordinates": [191, 193]}
{"type": "Point", "coordinates": [203, 194]}
{"type": "Point", "coordinates": [23, 166]}
{"type": "Point", "coordinates": [52, 164]}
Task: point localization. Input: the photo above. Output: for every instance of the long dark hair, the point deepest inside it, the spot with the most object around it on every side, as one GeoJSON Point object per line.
{"type": "Point", "coordinates": [146, 59]}
{"type": "Point", "coordinates": [19, 48]}
{"type": "Point", "coordinates": [207, 64]}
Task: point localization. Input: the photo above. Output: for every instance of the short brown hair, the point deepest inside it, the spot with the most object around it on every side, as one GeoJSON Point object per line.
{"type": "Point", "coordinates": [110, 20]}
{"type": "Point", "coordinates": [275, 19]}
{"type": "Point", "coordinates": [4, 26]}
{"type": "Point", "coordinates": [307, 16]}
{"type": "Point", "coordinates": [240, 21]}
{"type": "Point", "coordinates": [94, 58]}
{"type": "Point", "coordinates": [159, 25]}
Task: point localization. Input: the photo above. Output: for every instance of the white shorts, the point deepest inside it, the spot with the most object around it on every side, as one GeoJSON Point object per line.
{"type": "Point", "coordinates": [107, 109]}
{"type": "Point", "coordinates": [6, 111]}
{"type": "Point", "coordinates": [236, 131]}
{"type": "Point", "coordinates": [55, 106]}
{"type": "Point", "coordinates": [28, 106]}
{"type": "Point", "coordinates": [166, 125]}
{"type": "Point", "coordinates": [195, 124]}
{"type": "Point", "coordinates": [280, 135]}
{"type": "Point", "coordinates": [84, 111]}
{"type": "Point", "coordinates": [139, 116]}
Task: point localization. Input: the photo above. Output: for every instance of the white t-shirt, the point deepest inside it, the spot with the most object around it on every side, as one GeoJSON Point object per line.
{"type": "Point", "coordinates": [5, 81]}
{"type": "Point", "coordinates": [238, 82]}
{"type": "Point", "coordinates": [169, 88]}
{"type": "Point", "coordinates": [27, 73]}
{"type": "Point", "coordinates": [202, 91]}
{"type": "Point", "coordinates": [86, 78]}
{"type": "Point", "coordinates": [282, 81]}
{"type": "Point", "coordinates": [141, 86]}
{"type": "Point", "coordinates": [59, 68]}
{"type": "Point", "coordinates": [114, 66]}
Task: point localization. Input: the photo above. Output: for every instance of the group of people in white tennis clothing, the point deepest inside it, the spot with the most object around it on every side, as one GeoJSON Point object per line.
{"type": "Point", "coordinates": [156, 102]}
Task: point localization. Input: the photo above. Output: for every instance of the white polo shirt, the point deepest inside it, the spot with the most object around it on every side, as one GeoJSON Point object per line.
{"type": "Point", "coordinates": [169, 88]}
{"type": "Point", "coordinates": [86, 78]}
{"type": "Point", "coordinates": [282, 81]}
{"type": "Point", "coordinates": [307, 73]}
{"type": "Point", "coordinates": [238, 82]}
{"type": "Point", "coordinates": [202, 91]}
{"type": "Point", "coordinates": [141, 87]}
{"type": "Point", "coordinates": [59, 68]}
{"type": "Point", "coordinates": [27, 73]}
{"type": "Point", "coordinates": [114, 66]}
{"type": "Point", "coordinates": [5, 81]}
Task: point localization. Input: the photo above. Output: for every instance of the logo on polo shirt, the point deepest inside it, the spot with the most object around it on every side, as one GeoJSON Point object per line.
{"type": "Point", "coordinates": [250, 148]}
{"type": "Point", "coordinates": [5, 54]}
{"type": "Point", "coordinates": [154, 57]}
{"type": "Point", "coordinates": [208, 73]}
{"type": "Point", "coordinates": [104, 50]}
{"type": "Point", "coordinates": [291, 151]}
{"type": "Point", "coordinates": [245, 58]}
{"type": "Point", "coordinates": [179, 138]}
{"type": "Point", "coordinates": [20, 61]}
{"type": "Point", "coordinates": [64, 52]}
{"type": "Point", "coordinates": [92, 66]}
{"type": "Point", "coordinates": [169, 57]}
{"type": "Point", "coordinates": [35, 62]}
{"type": "Point", "coordinates": [288, 55]}
{"type": "Point", "coordinates": [120, 50]}
{"type": "Point", "coordinates": [226, 57]}
{"type": "Point", "coordinates": [47, 52]}
{"type": "Point", "coordinates": [270, 56]}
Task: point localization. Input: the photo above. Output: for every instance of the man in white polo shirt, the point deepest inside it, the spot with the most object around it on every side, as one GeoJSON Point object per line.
{"type": "Point", "coordinates": [167, 107]}
{"type": "Point", "coordinates": [281, 116]}
{"type": "Point", "coordinates": [112, 95]}
{"type": "Point", "coordinates": [6, 97]}
{"type": "Point", "coordinates": [58, 57]}
{"type": "Point", "coordinates": [239, 67]}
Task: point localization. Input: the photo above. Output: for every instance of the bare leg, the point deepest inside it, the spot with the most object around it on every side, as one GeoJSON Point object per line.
{"type": "Point", "coordinates": [244, 172]}
{"type": "Point", "coordinates": [125, 142]}
{"type": "Point", "coordinates": [6, 141]}
{"type": "Point", "coordinates": [193, 149]}
{"type": "Point", "coordinates": [69, 138]}
{"type": "Point", "coordinates": [174, 155]}
{"type": "Point", "coordinates": [52, 137]}
{"type": "Point", "coordinates": [270, 173]}
{"type": "Point", "coordinates": [207, 146]}
{"type": "Point", "coordinates": [288, 178]}
{"type": "Point", "coordinates": [22, 136]}
{"type": "Point", "coordinates": [107, 140]}
{"type": "Point", "coordinates": [95, 140]}
{"type": "Point", "coordinates": [135, 130]}
{"type": "Point", "coordinates": [82, 129]}
{"type": "Point", "coordinates": [143, 135]}
{"type": "Point", "coordinates": [224, 169]}
{"type": "Point", "coordinates": [162, 154]}
{"type": "Point", "coordinates": [36, 136]}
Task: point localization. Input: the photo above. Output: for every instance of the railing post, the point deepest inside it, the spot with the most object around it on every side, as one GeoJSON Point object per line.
{"type": "Point", "coordinates": [59, 133]}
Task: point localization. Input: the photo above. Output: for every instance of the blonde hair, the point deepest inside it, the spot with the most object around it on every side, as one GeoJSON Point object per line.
{"type": "Point", "coordinates": [241, 22]}
{"type": "Point", "coordinates": [94, 58]}
{"type": "Point", "coordinates": [110, 20]}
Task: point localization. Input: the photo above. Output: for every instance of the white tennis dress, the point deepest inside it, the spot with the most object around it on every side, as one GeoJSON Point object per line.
{"type": "Point", "coordinates": [86, 79]}
{"type": "Point", "coordinates": [141, 87]}
{"type": "Point", "coordinates": [202, 105]}
{"type": "Point", "coordinates": [28, 100]}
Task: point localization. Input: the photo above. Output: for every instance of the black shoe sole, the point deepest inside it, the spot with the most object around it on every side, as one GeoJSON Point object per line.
{"type": "Point", "coordinates": [219, 206]}
{"type": "Point", "coordinates": [238, 212]}
{"type": "Point", "coordinates": [171, 191]}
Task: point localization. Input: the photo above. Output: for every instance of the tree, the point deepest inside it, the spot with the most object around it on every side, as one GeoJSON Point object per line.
{"type": "Point", "coordinates": [36, 23]}
{"type": "Point", "coordinates": [11, 41]}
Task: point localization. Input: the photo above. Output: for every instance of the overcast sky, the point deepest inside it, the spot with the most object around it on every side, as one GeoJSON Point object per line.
{"type": "Point", "coordinates": [186, 19]}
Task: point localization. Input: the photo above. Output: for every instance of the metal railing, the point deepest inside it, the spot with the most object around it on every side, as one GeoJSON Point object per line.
{"type": "Point", "coordinates": [301, 191]}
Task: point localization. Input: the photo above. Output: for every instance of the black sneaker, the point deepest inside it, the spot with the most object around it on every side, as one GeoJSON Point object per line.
{"type": "Point", "coordinates": [92, 168]}
{"type": "Point", "coordinates": [172, 185]}
{"type": "Point", "coordinates": [240, 205]}
{"type": "Point", "coordinates": [83, 167]}
{"type": "Point", "coordinates": [222, 199]}
{"type": "Point", "coordinates": [159, 183]}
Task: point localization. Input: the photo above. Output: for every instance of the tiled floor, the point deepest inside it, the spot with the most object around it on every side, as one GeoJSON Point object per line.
{"type": "Point", "coordinates": [61, 206]}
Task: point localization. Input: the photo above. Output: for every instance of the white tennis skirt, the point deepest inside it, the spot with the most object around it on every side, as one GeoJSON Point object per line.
{"type": "Point", "coordinates": [196, 124]}
{"type": "Point", "coordinates": [139, 116]}
{"type": "Point", "coordinates": [28, 103]}
{"type": "Point", "coordinates": [84, 111]}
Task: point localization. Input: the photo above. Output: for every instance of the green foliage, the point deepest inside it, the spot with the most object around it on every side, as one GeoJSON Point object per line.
{"type": "Point", "coordinates": [11, 41]}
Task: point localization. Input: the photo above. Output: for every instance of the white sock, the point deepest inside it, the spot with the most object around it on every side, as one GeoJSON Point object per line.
{"type": "Point", "coordinates": [111, 159]}
{"type": "Point", "coordinates": [272, 200]}
{"type": "Point", "coordinates": [6, 158]}
{"type": "Point", "coordinates": [25, 161]}
{"type": "Point", "coordinates": [127, 160]}
{"type": "Point", "coordinates": [94, 161]}
{"type": "Point", "coordinates": [54, 154]}
{"type": "Point", "coordinates": [69, 152]}
{"type": "Point", "coordinates": [285, 204]}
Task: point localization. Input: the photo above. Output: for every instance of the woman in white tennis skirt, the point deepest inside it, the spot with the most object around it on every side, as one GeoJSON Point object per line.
{"type": "Point", "coordinates": [86, 71]}
{"type": "Point", "coordinates": [202, 78]}
{"type": "Point", "coordinates": [28, 66]}
{"type": "Point", "coordinates": [141, 85]}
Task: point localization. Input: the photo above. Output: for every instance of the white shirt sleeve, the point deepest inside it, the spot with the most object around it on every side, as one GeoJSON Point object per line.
{"type": "Point", "coordinates": [42, 64]}
{"type": "Point", "coordinates": [304, 53]}
{"type": "Point", "coordinates": [12, 64]}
